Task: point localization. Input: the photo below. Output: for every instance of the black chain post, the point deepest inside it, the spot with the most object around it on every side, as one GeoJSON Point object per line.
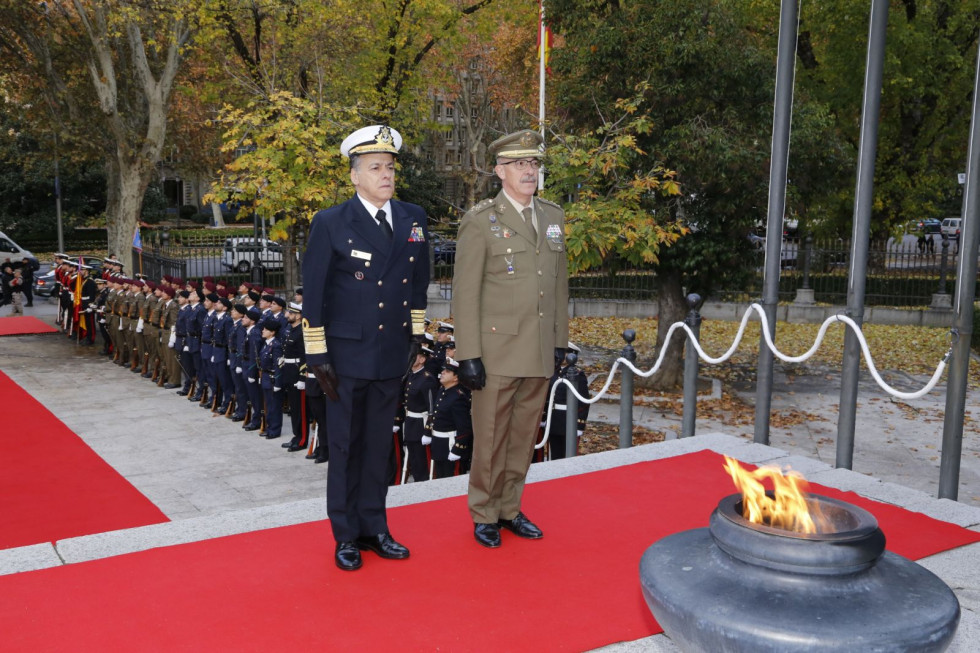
{"type": "Point", "coordinates": [571, 407]}
{"type": "Point", "coordinates": [942, 265]}
{"type": "Point", "coordinates": [626, 393]}
{"type": "Point", "coordinates": [693, 321]}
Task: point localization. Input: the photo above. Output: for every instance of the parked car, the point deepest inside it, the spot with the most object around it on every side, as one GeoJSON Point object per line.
{"type": "Point", "coordinates": [443, 250]}
{"type": "Point", "coordinates": [951, 228]}
{"type": "Point", "coordinates": [239, 254]}
{"type": "Point", "coordinates": [44, 284]}
{"type": "Point", "coordinates": [13, 251]}
{"type": "Point", "coordinates": [929, 226]}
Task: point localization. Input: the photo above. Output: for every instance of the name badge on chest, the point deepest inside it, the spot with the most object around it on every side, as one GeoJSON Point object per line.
{"type": "Point", "coordinates": [356, 253]}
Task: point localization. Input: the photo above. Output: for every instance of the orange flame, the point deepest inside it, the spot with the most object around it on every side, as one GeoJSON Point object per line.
{"type": "Point", "coordinates": [787, 509]}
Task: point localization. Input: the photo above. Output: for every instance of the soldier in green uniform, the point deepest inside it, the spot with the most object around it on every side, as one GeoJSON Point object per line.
{"type": "Point", "coordinates": [510, 310]}
{"type": "Point", "coordinates": [151, 333]}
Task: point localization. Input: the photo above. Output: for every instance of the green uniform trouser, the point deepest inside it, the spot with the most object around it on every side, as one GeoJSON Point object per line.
{"type": "Point", "coordinates": [151, 336]}
{"type": "Point", "coordinates": [126, 339]}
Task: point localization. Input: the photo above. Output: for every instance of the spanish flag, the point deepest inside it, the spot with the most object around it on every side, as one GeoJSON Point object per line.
{"type": "Point", "coordinates": [78, 313]}
{"type": "Point", "coordinates": [544, 30]}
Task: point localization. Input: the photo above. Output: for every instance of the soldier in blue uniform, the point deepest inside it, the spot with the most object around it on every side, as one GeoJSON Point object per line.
{"type": "Point", "coordinates": [451, 427]}
{"type": "Point", "coordinates": [271, 380]}
{"type": "Point", "coordinates": [236, 350]}
{"type": "Point", "coordinates": [195, 322]}
{"type": "Point", "coordinates": [250, 367]}
{"type": "Point", "coordinates": [222, 375]}
{"type": "Point", "coordinates": [418, 401]}
{"type": "Point", "coordinates": [182, 342]}
{"type": "Point", "coordinates": [205, 374]}
{"type": "Point", "coordinates": [365, 277]}
{"type": "Point", "coordinates": [293, 381]}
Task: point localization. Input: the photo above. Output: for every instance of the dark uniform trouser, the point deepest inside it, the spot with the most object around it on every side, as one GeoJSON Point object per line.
{"type": "Point", "coordinates": [506, 414]}
{"type": "Point", "coordinates": [413, 430]}
{"type": "Point", "coordinates": [254, 391]}
{"type": "Point", "coordinates": [273, 411]}
{"type": "Point", "coordinates": [359, 437]}
{"type": "Point", "coordinates": [223, 381]}
{"type": "Point", "coordinates": [296, 398]}
{"type": "Point", "coordinates": [241, 392]}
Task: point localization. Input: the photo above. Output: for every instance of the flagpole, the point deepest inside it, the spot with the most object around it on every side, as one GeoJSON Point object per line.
{"type": "Point", "coordinates": [542, 49]}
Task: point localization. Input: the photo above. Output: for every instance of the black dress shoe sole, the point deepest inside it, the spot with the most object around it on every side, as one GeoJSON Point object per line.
{"type": "Point", "coordinates": [519, 532]}
{"type": "Point", "coordinates": [347, 567]}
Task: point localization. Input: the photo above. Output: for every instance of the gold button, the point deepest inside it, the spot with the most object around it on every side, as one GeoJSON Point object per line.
{"type": "Point", "coordinates": [404, 324]}
{"type": "Point", "coordinates": [509, 250]}
{"type": "Point", "coordinates": [493, 328]}
{"type": "Point", "coordinates": [404, 303]}
{"type": "Point", "coordinates": [381, 305]}
{"type": "Point", "coordinates": [379, 283]}
{"type": "Point", "coordinates": [404, 280]}
{"type": "Point", "coordinates": [541, 293]}
{"type": "Point", "coordinates": [381, 327]}
{"type": "Point", "coordinates": [540, 314]}
{"type": "Point", "coordinates": [367, 264]}
{"type": "Point", "coordinates": [540, 273]}
{"type": "Point", "coordinates": [537, 251]}
{"type": "Point", "coordinates": [411, 259]}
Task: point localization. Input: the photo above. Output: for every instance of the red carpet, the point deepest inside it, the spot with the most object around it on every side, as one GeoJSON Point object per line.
{"type": "Point", "coordinates": [278, 590]}
{"type": "Point", "coordinates": [52, 485]}
{"type": "Point", "coordinates": [20, 325]}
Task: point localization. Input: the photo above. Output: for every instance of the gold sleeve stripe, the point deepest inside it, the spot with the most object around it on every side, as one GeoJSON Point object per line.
{"type": "Point", "coordinates": [314, 339]}
{"type": "Point", "coordinates": [418, 321]}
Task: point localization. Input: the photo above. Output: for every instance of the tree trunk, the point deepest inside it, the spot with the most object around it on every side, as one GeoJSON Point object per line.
{"type": "Point", "coordinates": [671, 307]}
{"type": "Point", "coordinates": [133, 178]}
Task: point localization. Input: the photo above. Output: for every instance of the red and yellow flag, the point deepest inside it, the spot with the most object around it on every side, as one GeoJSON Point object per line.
{"type": "Point", "coordinates": [79, 315]}
{"type": "Point", "coordinates": [543, 27]}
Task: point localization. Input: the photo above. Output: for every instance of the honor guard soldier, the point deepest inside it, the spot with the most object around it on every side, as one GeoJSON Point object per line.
{"type": "Point", "coordinates": [451, 430]}
{"type": "Point", "coordinates": [100, 313]}
{"type": "Point", "coordinates": [418, 401]}
{"type": "Point", "coordinates": [556, 435]}
{"type": "Point", "coordinates": [367, 280]}
{"type": "Point", "coordinates": [152, 364]}
{"type": "Point", "coordinates": [182, 341]}
{"type": "Point", "coordinates": [223, 387]}
{"type": "Point", "coordinates": [87, 306]}
{"type": "Point", "coordinates": [269, 359]}
{"type": "Point", "coordinates": [444, 332]}
{"type": "Point", "coordinates": [169, 364]}
{"type": "Point", "coordinates": [195, 322]}
{"type": "Point", "coordinates": [510, 310]}
{"type": "Point", "coordinates": [236, 345]}
{"type": "Point", "coordinates": [250, 365]}
{"type": "Point", "coordinates": [293, 376]}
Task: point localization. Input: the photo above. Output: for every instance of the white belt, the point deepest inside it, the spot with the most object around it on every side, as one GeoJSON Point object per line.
{"type": "Point", "coordinates": [409, 413]}
{"type": "Point", "coordinates": [290, 361]}
{"type": "Point", "coordinates": [561, 407]}
{"type": "Point", "coordinates": [444, 434]}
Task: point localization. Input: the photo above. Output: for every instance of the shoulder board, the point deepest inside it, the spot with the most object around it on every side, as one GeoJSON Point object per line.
{"type": "Point", "coordinates": [482, 206]}
{"type": "Point", "coordinates": [548, 202]}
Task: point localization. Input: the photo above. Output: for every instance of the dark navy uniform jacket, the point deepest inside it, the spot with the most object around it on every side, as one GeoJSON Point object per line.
{"type": "Point", "coordinates": [221, 323]}
{"type": "Point", "coordinates": [361, 287]}
{"type": "Point", "coordinates": [292, 350]}
{"type": "Point", "coordinates": [195, 322]}
{"type": "Point", "coordinates": [269, 362]}
{"type": "Point", "coordinates": [452, 413]}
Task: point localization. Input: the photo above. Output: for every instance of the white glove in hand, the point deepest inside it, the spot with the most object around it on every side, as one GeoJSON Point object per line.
{"type": "Point", "coordinates": [238, 370]}
{"type": "Point", "coordinates": [453, 457]}
{"type": "Point", "coordinates": [579, 433]}
{"type": "Point", "coordinates": [395, 429]}
{"type": "Point", "coordinates": [301, 385]}
{"type": "Point", "coordinates": [275, 389]}
{"type": "Point", "coordinates": [426, 440]}
{"type": "Point", "coordinates": [212, 359]}
{"type": "Point", "coordinates": [251, 380]}
{"type": "Point", "coordinates": [186, 348]}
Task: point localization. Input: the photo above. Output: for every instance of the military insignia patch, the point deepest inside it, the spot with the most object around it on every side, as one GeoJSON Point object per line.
{"type": "Point", "coordinates": [359, 275]}
{"type": "Point", "coordinates": [416, 236]}
{"type": "Point", "coordinates": [553, 233]}
{"type": "Point", "coordinates": [493, 218]}
{"type": "Point", "coordinates": [508, 233]}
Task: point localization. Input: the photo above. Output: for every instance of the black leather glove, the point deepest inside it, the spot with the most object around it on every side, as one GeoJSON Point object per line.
{"type": "Point", "coordinates": [327, 379]}
{"type": "Point", "coordinates": [559, 358]}
{"type": "Point", "coordinates": [471, 374]}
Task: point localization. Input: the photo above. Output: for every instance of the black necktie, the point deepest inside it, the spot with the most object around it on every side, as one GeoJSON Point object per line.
{"type": "Point", "coordinates": [385, 227]}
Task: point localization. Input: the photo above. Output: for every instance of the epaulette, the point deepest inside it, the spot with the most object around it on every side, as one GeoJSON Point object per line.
{"type": "Point", "coordinates": [548, 202]}
{"type": "Point", "coordinates": [482, 206]}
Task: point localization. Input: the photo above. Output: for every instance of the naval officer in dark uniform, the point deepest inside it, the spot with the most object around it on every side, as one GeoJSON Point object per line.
{"type": "Point", "coordinates": [365, 277]}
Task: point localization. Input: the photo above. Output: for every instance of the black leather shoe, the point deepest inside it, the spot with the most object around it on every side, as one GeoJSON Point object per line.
{"type": "Point", "coordinates": [238, 418]}
{"type": "Point", "coordinates": [384, 545]}
{"type": "Point", "coordinates": [170, 386]}
{"type": "Point", "coordinates": [488, 535]}
{"type": "Point", "coordinates": [347, 556]}
{"type": "Point", "coordinates": [271, 437]}
{"type": "Point", "coordinates": [521, 526]}
{"type": "Point", "coordinates": [320, 461]}
{"type": "Point", "coordinates": [295, 447]}
{"type": "Point", "coordinates": [182, 392]}
{"type": "Point", "coordinates": [196, 397]}
{"type": "Point", "coordinates": [286, 445]}
{"type": "Point", "coordinates": [251, 427]}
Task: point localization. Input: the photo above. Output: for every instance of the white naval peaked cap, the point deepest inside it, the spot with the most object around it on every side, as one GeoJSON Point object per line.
{"type": "Point", "coordinates": [376, 138]}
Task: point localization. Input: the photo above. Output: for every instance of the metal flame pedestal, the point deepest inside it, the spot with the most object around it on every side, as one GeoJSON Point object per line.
{"type": "Point", "coordinates": [738, 586]}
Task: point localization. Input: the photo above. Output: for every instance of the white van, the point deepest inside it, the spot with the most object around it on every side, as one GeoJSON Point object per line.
{"type": "Point", "coordinates": [13, 251]}
{"type": "Point", "coordinates": [239, 254]}
{"type": "Point", "coordinates": [951, 228]}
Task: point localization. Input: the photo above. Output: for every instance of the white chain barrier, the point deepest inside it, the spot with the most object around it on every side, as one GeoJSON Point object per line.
{"type": "Point", "coordinates": [926, 389]}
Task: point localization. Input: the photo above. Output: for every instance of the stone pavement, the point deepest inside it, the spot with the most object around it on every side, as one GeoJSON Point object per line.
{"type": "Point", "coordinates": [213, 479]}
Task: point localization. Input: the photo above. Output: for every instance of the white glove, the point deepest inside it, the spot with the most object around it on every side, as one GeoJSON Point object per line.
{"type": "Point", "coordinates": [579, 433]}
{"type": "Point", "coordinates": [426, 440]}
{"type": "Point", "coordinates": [212, 359]}
{"type": "Point", "coordinates": [395, 429]}
{"type": "Point", "coordinates": [172, 340]}
{"type": "Point", "coordinates": [227, 363]}
{"type": "Point", "coordinates": [301, 385]}
{"type": "Point", "coordinates": [275, 389]}
{"type": "Point", "coordinates": [251, 380]}
{"type": "Point", "coordinates": [238, 370]}
{"type": "Point", "coordinates": [120, 326]}
{"type": "Point", "coordinates": [139, 326]}
{"type": "Point", "coordinates": [186, 348]}
{"type": "Point", "coordinates": [453, 457]}
{"type": "Point", "coordinates": [543, 424]}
